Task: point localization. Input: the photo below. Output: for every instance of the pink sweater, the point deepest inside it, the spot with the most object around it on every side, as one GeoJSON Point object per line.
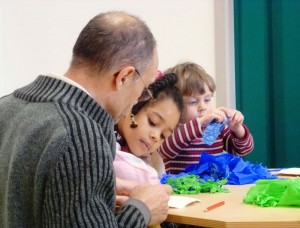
{"type": "Point", "coordinates": [184, 147]}
{"type": "Point", "coordinates": [130, 167]}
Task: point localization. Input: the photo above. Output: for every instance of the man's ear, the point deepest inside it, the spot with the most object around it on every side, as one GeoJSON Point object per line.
{"type": "Point", "coordinates": [124, 76]}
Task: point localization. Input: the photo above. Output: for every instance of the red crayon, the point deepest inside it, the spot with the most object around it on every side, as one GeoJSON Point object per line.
{"type": "Point", "coordinates": [214, 206]}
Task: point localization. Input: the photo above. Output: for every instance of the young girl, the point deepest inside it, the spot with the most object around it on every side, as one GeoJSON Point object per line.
{"type": "Point", "coordinates": [186, 144]}
{"type": "Point", "coordinates": [144, 129]}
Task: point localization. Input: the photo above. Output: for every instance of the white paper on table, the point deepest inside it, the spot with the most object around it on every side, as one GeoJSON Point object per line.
{"type": "Point", "coordinates": [181, 201]}
{"type": "Point", "coordinates": [290, 171]}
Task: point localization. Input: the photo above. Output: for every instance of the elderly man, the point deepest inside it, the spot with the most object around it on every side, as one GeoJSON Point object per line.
{"type": "Point", "coordinates": [57, 142]}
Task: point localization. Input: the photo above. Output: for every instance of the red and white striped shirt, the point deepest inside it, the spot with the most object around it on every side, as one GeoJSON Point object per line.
{"type": "Point", "coordinates": [184, 147]}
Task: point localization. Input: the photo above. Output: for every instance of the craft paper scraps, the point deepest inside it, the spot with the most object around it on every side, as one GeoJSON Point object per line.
{"type": "Point", "coordinates": [290, 171]}
{"type": "Point", "coordinates": [212, 131]}
{"type": "Point", "coordinates": [192, 184]}
{"type": "Point", "coordinates": [272, 193]}
{"type": "Point", "coordinates": [181, 201]}
{"type": "Point", "coordinates": [230, 167]}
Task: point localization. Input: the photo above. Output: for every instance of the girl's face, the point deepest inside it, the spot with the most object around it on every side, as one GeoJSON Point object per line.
{"type": "Point", "coordinates": [196, 106]}
{"type": "Point", "coordinates": [155, 123]}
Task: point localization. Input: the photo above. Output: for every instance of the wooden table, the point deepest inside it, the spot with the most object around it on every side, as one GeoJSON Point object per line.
{"type": "Point", "coordinates": [234, 213]}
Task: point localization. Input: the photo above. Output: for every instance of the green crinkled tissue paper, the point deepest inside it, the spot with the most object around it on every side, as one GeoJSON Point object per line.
{"type": "Point", "coordinates": [192, 184]}
{"type": "Point", "coordinates": [271, 193]}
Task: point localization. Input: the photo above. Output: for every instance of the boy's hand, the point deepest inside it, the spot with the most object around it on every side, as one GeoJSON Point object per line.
{"type": "Point", "coordinates": [217, 114]}
{"type": "Point", "coordinates": [236, 119]}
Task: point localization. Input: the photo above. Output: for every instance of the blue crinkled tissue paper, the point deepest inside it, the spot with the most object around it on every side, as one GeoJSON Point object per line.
{"type": "Point", "coordinates": [212, 131]}
{"type": "Point", "coordinates": [230, 167]}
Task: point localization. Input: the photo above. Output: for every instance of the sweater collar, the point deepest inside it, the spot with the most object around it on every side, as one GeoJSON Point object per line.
{"type": "Point", "coordinates": [67, 80]}
{"type": "Point", "coordinates": [50, 89]}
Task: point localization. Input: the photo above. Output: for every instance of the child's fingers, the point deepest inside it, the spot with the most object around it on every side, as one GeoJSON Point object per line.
{"type": "Point", "coordinates": [234, 116]}
{"type": "Point", "coordinates": [220, 114]}
{"type": "Point", "coordinates": [226, 111]}
{"type": "Point", "coordinates": [237, 117]}
{"type": "Point", "coordinates": [206, 119]}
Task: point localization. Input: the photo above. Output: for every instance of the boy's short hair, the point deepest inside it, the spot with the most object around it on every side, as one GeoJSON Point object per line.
{"type": "Point", "coordinates": [192, 78]}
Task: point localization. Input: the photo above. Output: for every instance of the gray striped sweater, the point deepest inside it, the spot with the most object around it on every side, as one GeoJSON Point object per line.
{"type": "Point", "coordinates": [57, 147]}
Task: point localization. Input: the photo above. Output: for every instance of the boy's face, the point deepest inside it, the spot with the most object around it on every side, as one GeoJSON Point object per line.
{"type": "Point", "coordinates": [196, 105]}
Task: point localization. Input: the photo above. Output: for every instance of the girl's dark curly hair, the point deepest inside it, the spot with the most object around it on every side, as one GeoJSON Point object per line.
{"type": "Point", "coordinates": [161, 89]}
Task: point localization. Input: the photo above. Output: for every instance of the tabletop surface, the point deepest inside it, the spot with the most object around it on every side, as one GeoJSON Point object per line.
{"type": "Point", "coordinates": [234, 213]}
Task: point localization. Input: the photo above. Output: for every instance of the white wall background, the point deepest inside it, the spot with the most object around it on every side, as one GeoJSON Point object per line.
{"type": "Point", "coordinates": [36, 37]}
